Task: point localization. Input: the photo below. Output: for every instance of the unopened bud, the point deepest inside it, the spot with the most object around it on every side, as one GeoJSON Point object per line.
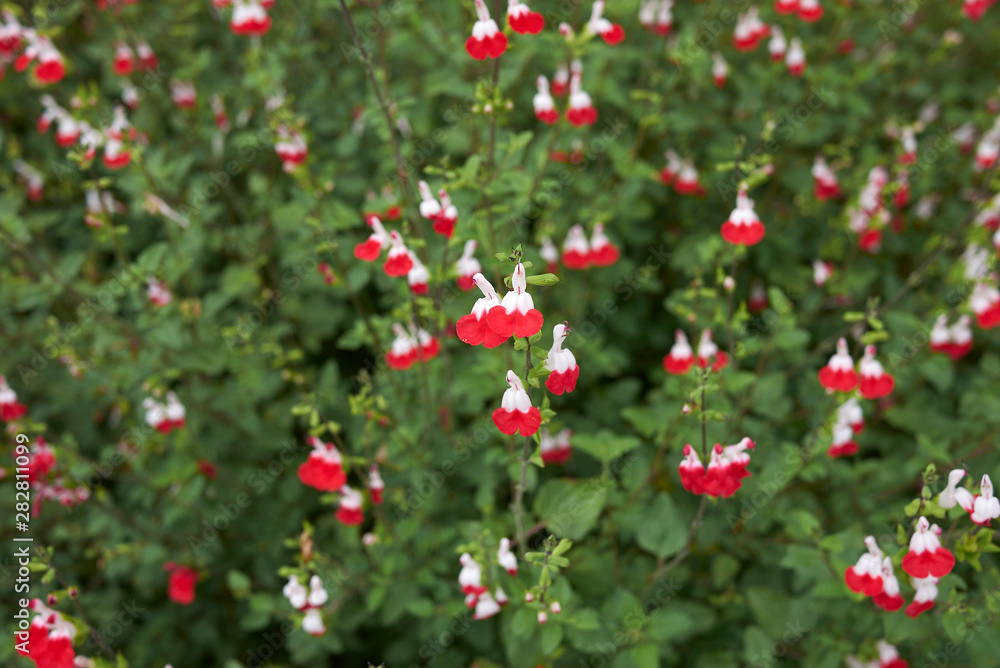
{"type": "Point", "coordinates": [542, 617]}
{"type": "Point", "coordinates": [729, 283]}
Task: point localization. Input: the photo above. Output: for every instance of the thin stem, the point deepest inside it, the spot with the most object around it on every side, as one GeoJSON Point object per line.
{"type": "Point", "coordinates": [518, 507]}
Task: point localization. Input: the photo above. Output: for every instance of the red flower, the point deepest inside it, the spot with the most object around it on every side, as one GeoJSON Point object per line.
{"type": "Point", "coordinates": [875, 381]}
{"type": "Point", "coordinates": [323, 469]}
{"type": "Point", "coordinates": [486, 41]}
{"type": "Point", "coordinates": [181, 583]}
{"type": "Point", "coordinates": [866, 575]}
{"type": "Point", "coordinates": [522, 20]}
{"type": "Point", "coordinates": [839, 374]}
{"type": "Point", "coordinates": [516, 315]}
{"type": "Point", "coordinates": [927, 558]}
{"type": "Point", "coordinates": [680, 359]}
{"type": "Point", "coordinates": [516, 414]}
{"type": "Point", "coordinates": [561, 363]}
{"type": "Point", "coordinates": [349, 511]}
{"type": "Point", "coordinates": [743, 226]}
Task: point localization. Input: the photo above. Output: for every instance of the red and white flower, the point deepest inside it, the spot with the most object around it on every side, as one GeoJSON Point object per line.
{"type": "Point", "coordinates": [611, 33]}
{"type": "Point", "coordinates": [875, 381]}
{"type": "Point", "coordinates": [580, 111]}
{"type": "Point", "coordinates": [312, 623]}
{"type": "Point", "coordinates": [417, 276]}
{"type": "Point", "coordinates": [927, 558]}
{"type": "Point", "coordinates": [843, 441]}
{"type": "Point", "coordinates": [165, 418]}
{"type": "Point", "coordinates": [349, 509]}
{"type": "Point", "coordinates": [560, 80]}
{"type": "Point", "coordinates": [888, 657]}
{"type": "Point", "coordinates": [720, 70]}
{"type": "Point", "coordinates": [474, 328]}
{"type": "Point", "coordinates": [985, 303]}
{"type": "Point", "coordinates": [749, 30]}
{"type": "Point", "coordinates": [744, 226]}
{"type": "Point", "coordinates": [444, 223]}
{"type": "Point", "coordinates": [550, 254]}
{"type": "Point", "coordinates": [709, 353]}
{"type": "Point", "coordinates": [486, 606]}
{"type": "Point", "coordinates": [158, 293]}
{"type": "Point", "coordinates": [545, 106]}
{"type": "Point", "coordinates": [795, 59]}
{"type": "Point", "coordinates": [522, 20]}
{"type": "Point", "coordinates": [516, 414]}
{"type": "Point", "coordinates": [470, 578]}
{"type": "Point", "coordinates": [810, 11]}
{"type": "Point", "coordinates": [725, 472]}
{"type": "Point", "coordinates": [50, 638]}
{"type": "Point", "coordinates": [124, 60]}
{"type": "Point", "coordinates": [324, 469]}
{"type": "Point", "coordinates": [778, 44]}
{"type": "Point", "coordinates": [576, 249]}
{"type": "Point", "coordinates": [786, 6]}
{"type": "Point", "coordinates": [680, 359]}
{"type": "Point", "coordinates": [487, 41]}
{"type": "Point", "coordinates": [399, 261]}
{"type": "Point", "coordinates": [822, 271]}
{"type": "Point", "coordinates": [672, 168]}
{"type": "Point", "coordinates": [506, 558]}
{"type": "Point", "coordinates": [603, 253]}
{"type": "Point", "coordinates": [839, 374]}
{"type": "Point", "coordinates": [865, 577]}
{"type": "Point", "coordinates": [467, 266]}
{"type": "Point", "coordinates": [687, 182]}
{"type": "Point", "coordinates": [889, 598]}
{"type": "Point", "coordinates": [376, 486]}
{"type": "Point", "coordinates": [147, 59]}
{"type": "Point", "coordinates": [850, 413]}
{"type": "Point", "coordinates": [924, 597]}
{"type": "Point", "coordinates": [377, 241]}
{"type": "Point", "coordinates": [562, 366]}
{"type": "Point", "coordinates": [183, 94]}
{"type": "Point", "coordinates": [429, 207]}
{"type": "Point", "coordinates": [249, 18]}
{"type": "Point", "coordinates": [825, 183]}
{"type": "Point", "coordinates": [51, 67]}
{"type": "Point", "coordinates": [516, 314]}
{"type": "Point", "coordinates": [556, 449]}
{"type": "Point", "coordinates": [33, 180]}
{"type": "Point", "coordinates": [10, 408]}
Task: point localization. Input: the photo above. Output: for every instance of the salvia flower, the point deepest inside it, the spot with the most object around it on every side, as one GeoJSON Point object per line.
{"type": "Point", "coordinates": [516, 315]}
{"type": "Point", "coordinates": [744, 226]}
{"type": "Point", "coordinates": [470, 578]}
{"type": "Point", "coordinates": [50, 638]}
{"type": "Point", "coordinates": [399, 261]}
{"type": "Point", "coordinates": [865, 577]}
{"type": "Point", "coordinates": [376, 486]}
{"type": "Point", "coordinates": [611, 33]}
{"type": "Point", "coordinates": [545, 108]}
{"type": "Point", "coordinates": [927, 557]}
{"type": "Point", "coordinates": [576, 249]}
{"type": "Point", "coordinates": [377, 241]}
{"type": "Point", "coordinates": [158, 293]}
{"type": "Point", "coordinates": [924, 596]}
{"type": "Point", "coordinates": [467, 267]}
{"type": "Point", "coordinates": [50, 67]}
{"type": "Point", "coordinates": [810, 11]}
{"type": "Point", "coordinates": [147, 59]}
{"type": "Point", "coordinates": [444, 223]}
{"type": "Point", "coordinates": [474, 328]}
{"type": "Point", "coordinates": [888, 656]}
{"type": "Point", "coordinates": [124, 60]}
{"type": "Point", "coordinates": [560, 80]}
{"type": "Point", "coordinates": [562, 366]}
{"type": "Point", "coordinates": [349, 509]}
{"type": "Point", "coordinates": [312, 623]}
{"type": "Point", "coordinates": [720, 70]}
{"type": "Point", "coordinates": [680, 359]}
{"type": "Point", "coordinates": [487, 41]}
{"type": "Point", "coordinates": [291, 148]}
{"type": "Point", "coordinates": [795, 59]}
{"type": "Point", "coordinates": [10, 408]}
{"type": "Point", "coordinates": [181, 583]}
{"type": "Point", "coordinates": [556, 449]}
{"type": "Point", "coordinates": [985, 303]}
{"type": "Point", "coordinates": [429, 207]}
{"type": "Point", "coordinates": [33, 180]}
{"type": "Point", "coordinates": [550, 254]}
{"type": "Point", "coordinates": [581, 110]}
{"type": "Point", "coordinates": [786, 6]}
{"type": "Point", "coordinates": [825, 183]}
{"type": "Point", "coordinates": [778, 45]}
{"type": "Point", "coordinates": [889, 598]}
{"type": "Point", "coordinates": [516, 414]}
{"type": "Point", "coordinates": [522, 20]}
{"type": "Point", "coordinates": [822, 271]}
{"type": "Point", "coordinates": [418, 276]}
{"type": "Point", "coordinates": [724, 474]}
{"type": "Point", "coordinates": [672, 168]}
{"type": "Point", "coordinates": [839, 374]}
{"type": "Point", "coordinates": [603, 253]}
{"type": "Point", "coordinates": [165, 418]}
{"type": "Point", "coordinates": [709, 353]}
{"type": "Point", "coordinates": [850, 413]}
{"type": "Point", "coordinates": [843, 441]}
{"type": "Point", "coordinates": [323, 470]}
{"type": "Point", "coordinates": [687, 181]}
{"type": "Point", "coordinates": [876, 382]}
{"type": "Point", "coordinates": [506, 558]}
{"type": "Point", "coordinates": [249, 18]}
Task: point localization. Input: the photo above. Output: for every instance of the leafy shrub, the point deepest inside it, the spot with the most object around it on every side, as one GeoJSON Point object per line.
{"type": "Point", "coordinates": [197, 359]}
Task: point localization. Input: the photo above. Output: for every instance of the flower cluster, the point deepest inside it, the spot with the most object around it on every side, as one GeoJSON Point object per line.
{"type": "Point", "coordinates": [681, 357]}
{"type": "Point", "coordinates": [478, 598]}
{"type": "Point", "coordinates": [167, 417]}
{"type": "Point", "coordinates": [50, 638]}
{"type": "Point", "coordinates": [579, 253]}
{"type": "Point", "coordinates": [725, 471]}
{"type": "Point", "coordinates": [308, 600]}
{"type": "Point", "coordinates": [324, 470]}
{"type": "Point", "coordinates": [839, 374]}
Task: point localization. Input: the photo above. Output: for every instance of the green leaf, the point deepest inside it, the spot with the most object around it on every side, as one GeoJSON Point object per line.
{"type": "Point", "coordinates": [662, 531]}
